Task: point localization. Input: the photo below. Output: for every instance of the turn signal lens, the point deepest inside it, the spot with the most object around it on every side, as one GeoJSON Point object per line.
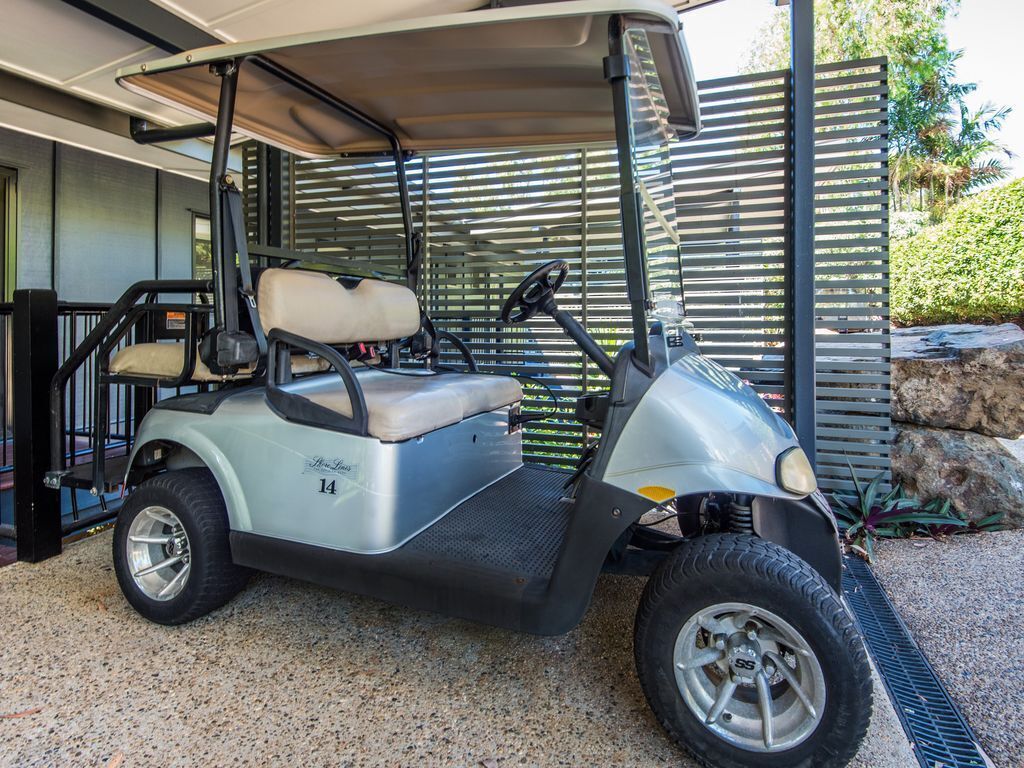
{"type": "Point", "coordinates": [794, 473]}
{"type": "Point", "coordinates": [657, 493]}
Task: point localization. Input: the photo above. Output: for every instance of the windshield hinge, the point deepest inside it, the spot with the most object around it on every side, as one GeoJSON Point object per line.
{"type": "Point", "coordinates": [616, 67]}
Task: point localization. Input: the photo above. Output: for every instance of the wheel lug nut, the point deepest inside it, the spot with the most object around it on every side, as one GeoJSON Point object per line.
{"type": "Point", "coordinates": [752, 635]}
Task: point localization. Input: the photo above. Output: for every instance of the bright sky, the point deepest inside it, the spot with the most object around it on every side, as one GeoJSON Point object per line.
{"type": "Point", "coordinates": [989, 32]}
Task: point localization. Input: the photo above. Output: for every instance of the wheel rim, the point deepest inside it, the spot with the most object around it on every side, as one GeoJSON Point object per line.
{"type": "Point", "coordinates": [158, 553]}
{"type": "Point", "coordinates": [749, 677]}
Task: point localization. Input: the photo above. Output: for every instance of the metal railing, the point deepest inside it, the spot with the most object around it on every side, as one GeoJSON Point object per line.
{"type": "Point", "coordinates": [75, 320]}
{"type": "Point", "coordinates": [112, 420]}
{"type": "Point", "coordinates": [88, 416]}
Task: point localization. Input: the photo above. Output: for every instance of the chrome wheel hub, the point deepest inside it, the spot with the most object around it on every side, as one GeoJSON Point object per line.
{"type": "Point", "coordinates": [744, 655]}
{"type": "Point", "coordinates": [749, 676]}
{"type": "Point", "coordinates": [158, 553]}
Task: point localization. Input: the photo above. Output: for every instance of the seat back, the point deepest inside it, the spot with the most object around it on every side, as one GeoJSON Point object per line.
{"type": "Point", "coordinates": [318, 307]}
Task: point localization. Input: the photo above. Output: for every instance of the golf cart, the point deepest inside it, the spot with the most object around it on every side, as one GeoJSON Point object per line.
{"type": "Point", "coordinates": [325, 443]}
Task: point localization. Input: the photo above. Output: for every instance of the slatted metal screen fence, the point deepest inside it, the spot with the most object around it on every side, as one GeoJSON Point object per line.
{"type": "Point", "coordinates": [488, 219]}
{"type": "Point", "coordinates": [851, 242]}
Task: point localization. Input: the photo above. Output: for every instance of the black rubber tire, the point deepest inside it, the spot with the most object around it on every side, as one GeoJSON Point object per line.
{"type": "Point", "coordinates": [192, 495]}
{"type": "Point", "coordinates": [723, 568]}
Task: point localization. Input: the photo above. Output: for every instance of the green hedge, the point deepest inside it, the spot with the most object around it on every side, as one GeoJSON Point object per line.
{"type": "Point", "coordinates": [968, 268]}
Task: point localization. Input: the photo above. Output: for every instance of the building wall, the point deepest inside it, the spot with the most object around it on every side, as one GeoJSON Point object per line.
{"type": "Point", "coordinates": [116, 222]}
{"type": "Point", "coordinates": [33, 159]}
{"type": "Point", "coordinates": [179, 197]}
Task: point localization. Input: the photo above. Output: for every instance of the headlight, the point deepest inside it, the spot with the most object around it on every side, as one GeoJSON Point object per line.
{"type": "Point", "coordinates": [794, 473]}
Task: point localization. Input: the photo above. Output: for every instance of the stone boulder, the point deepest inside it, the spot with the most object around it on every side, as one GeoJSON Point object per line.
{"type": "Point", "coordinates": [960, 377]}
{"type": "Point", "coordinates": [975, 472]}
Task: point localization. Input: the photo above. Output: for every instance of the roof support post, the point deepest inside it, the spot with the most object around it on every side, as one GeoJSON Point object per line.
{"type": "Point", "coordinates": [801, 272]}
{"type": "Point", "coordinates": [413, 250]}
{"type": "Point", "coordinates": [225, 305]}
{"type": "Point", "coordinates": [616, 71]}
{"type": "Point", "coordinates": [276, 196]}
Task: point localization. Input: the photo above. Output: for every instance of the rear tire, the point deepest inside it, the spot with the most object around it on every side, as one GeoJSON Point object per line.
{"type": "Point", "coordinates": [172, 554]}
{"type": "Point", "coordinates": [717, 621]}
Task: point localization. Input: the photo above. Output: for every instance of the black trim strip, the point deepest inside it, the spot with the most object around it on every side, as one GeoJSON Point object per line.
{"type": "Point", "coordinates": [149, 22]}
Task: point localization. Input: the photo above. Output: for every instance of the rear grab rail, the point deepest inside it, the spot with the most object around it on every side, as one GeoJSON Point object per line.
{"type": "Point", "coordinates": [112, 321]}
{"type": "Point", "coordinates": [294, 407]}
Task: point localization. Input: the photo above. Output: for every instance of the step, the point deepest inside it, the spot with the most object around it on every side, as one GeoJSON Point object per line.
{"type": "Point", "coordinates": [80, 475]}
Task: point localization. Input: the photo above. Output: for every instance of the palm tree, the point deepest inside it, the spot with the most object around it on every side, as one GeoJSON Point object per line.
{"type": "Point", "coordinates": [938, 146]}
{"type": "Point", "coordinates": [970, 154]}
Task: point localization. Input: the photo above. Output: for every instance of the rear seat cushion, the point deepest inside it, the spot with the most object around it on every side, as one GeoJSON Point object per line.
{"type": "Point", "coordinates": [318, 307]}
{"type": "Point", "coordinates": [401, 407]}
{"type": "Point", "coordinates": [165, 361]}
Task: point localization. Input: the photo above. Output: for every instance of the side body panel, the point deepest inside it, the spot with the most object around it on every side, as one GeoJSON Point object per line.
{"type": "Point", "coordinates": [309, 485]}
{"type": "Point", "coordinates": [700, 429]}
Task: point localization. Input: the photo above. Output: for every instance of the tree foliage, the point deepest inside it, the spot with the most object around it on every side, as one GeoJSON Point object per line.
{"type": "Point", "coordinates": [968, 268]}
{"type": "Point", "coordinates": [939, 148]}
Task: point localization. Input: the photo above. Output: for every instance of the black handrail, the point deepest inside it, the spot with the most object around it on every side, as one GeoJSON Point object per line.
{"type": "Point", "coordinates": [461, 347]}
{"type": "Point", "coordinates": [295, 407]}
{"type": "Point", "coordinates": [143, 133]}
{"type": "Point", "coordinates": [81, 354]}
{"type": "Point", "coordinates": [101, 409]}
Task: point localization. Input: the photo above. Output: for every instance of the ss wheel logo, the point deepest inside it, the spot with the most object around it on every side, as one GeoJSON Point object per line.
{"type": "Point", "coordinates": [747, 664]}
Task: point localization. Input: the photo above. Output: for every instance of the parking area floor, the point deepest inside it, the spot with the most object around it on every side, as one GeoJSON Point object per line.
{"type": "Point", "coordinates": [292, 674]}
{"type": "Point", "coordinates": [963, 600]}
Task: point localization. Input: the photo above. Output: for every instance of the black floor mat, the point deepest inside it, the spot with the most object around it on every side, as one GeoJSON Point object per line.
{"type": "Point", "coordinates": [516, 525]}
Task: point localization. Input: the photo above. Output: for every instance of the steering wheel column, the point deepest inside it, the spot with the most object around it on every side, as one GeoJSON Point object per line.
{"type": "Point", "coordinates": [578, 333]}
{"type": "Point", "coordinates": [537, 294]}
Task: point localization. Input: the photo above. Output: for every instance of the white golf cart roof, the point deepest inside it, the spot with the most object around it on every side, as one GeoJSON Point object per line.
{"type": "Point", "coordinates": [524, 75]}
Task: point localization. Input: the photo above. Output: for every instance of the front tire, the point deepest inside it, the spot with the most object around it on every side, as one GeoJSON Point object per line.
{"type": "Point", "coordinates": [171, 551]}
{"type": "Point", "coordinates": [731, 627]}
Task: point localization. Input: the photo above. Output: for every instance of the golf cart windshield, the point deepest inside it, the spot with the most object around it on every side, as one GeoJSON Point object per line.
{"type": "Point", "coordinates": [650, 134]}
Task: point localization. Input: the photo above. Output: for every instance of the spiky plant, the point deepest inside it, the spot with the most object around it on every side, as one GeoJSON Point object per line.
{"type": "Point", "coordinates": [869, 515]}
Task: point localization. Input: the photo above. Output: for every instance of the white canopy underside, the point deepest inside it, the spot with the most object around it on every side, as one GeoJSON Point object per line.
{"type": "Point", "coordinates": [488, 78]}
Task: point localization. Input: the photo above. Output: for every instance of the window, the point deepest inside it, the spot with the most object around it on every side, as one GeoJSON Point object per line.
{"type": "Point", "coordinates": [8, 246]}
{"type": "Point", "coordinates": [202, 259]}
{"type": "Point", "coordinates": [202, 254]}
{"type": "Point", "coordinates": [8, 230]}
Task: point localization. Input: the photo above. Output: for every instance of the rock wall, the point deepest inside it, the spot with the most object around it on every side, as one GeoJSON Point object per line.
{"type": "Point", "coordinates": [957, 389]}
{"type": "Point", "coordinates": [960, 377]}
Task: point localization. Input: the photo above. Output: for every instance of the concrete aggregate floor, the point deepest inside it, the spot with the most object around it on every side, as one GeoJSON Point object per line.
{"type": "Point", "coordinates": [290, 674]}
{"type": "Point", "coordinates": [963, 600]}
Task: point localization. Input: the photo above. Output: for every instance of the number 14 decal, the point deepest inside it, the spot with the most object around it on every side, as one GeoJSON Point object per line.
{"type": "Point", "coordinates": [326, 487]}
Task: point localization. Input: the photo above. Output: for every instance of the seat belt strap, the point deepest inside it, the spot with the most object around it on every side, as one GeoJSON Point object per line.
{"type": "Point", "coordinates": [246, 288]}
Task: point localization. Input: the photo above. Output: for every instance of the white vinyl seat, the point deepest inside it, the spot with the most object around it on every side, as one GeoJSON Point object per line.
{"type": "Point", "coordinates": [403, 406]}
{"type": "Point", "coordinates": [164, 360]}
{"type": "Point", "coordinates": [399, 406]}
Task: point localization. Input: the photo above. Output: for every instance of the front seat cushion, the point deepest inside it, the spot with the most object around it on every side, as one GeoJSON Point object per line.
{"type": "Point", "coordinates": [407, 405]}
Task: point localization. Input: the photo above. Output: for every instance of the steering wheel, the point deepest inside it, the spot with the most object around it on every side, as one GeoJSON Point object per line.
{"type": "Point", "coordinates": [527, 298]}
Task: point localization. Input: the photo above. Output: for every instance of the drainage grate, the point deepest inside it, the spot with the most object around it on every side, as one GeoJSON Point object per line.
{"type": "Point", "coordinates": [939, 733]}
